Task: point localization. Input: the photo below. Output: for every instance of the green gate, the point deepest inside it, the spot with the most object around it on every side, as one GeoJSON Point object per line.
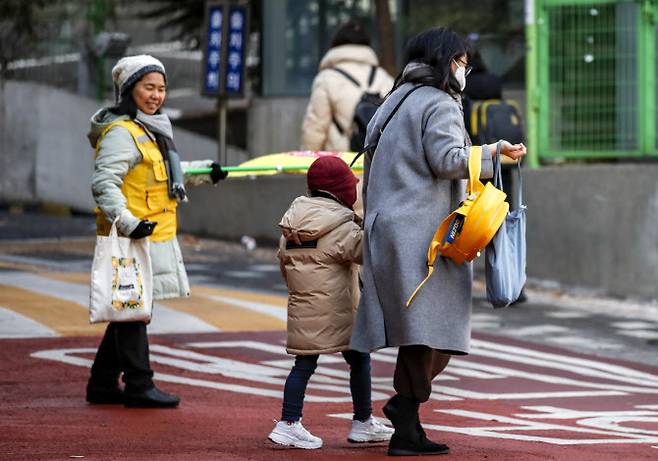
{"type": "Point", "coordinates": [592, 78]}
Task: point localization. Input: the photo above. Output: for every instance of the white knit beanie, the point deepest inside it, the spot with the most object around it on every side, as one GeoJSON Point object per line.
{"type": "Point", "coordinates": [130, 69]}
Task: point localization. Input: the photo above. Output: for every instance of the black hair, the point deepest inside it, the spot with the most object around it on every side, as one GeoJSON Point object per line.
{"type": "Point", "coordinates": [477, 63]}
{"type": "Point", "coordinates": [350, 33]}
{"type": "Point", "coordinates": [436, 47]}
{"type": "Point", "coordinates": [126, 105]}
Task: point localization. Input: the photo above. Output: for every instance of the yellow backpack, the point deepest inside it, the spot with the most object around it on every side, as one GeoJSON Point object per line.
{"type": "Point", "coordinates": [467, 230]}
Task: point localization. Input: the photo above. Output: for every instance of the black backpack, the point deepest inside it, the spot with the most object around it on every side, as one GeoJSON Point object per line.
{"type": "Point", "coordinates": [372, 147]}
{"type": "Point", "coordinates": [495, 119]}
{"type": "Point", "coordinates": [365, 109]}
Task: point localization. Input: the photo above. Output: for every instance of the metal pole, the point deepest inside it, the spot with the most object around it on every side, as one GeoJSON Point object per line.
{"type": "Point", "coordinates": [646, 83]}
{"type": "Point", "coordinates": [532, 84]}
{"type": "Point", "coordinates": [100, 12]}
{"type": "Point", "coordinates": [222, 155]}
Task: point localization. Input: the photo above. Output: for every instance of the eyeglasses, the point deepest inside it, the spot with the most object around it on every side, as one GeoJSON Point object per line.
{"type": "Point", "coordinates": [465, 65]}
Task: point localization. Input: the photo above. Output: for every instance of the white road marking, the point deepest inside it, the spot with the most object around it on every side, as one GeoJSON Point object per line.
{"type": "Point", "coordinates": [15, 325]}
{"type": "Point", "coordinates": [566, 315]}
{"type": "Point", "coordinates": [584, 342]}
{"type": "Point", "coordinates": [485, 325]}
{"type": "Point", "coordinates": [71, 265]}
{"type": "Point", "coordinates": [517, 424]}
{"type": "Point", "coordinates": [165, 320]}
{"type": "Point", "coordinates": [479, 317]}
{"type": "Point", "coordinates": [537, 330]}
{"type": "Point", "coordinates": [508, 428]}
{"type": "Point", "coordinates": [266, 378]}
{"type": "Point", "coordinates": [635, 325]}
{"type": "Point", "coordinates": [597, 305]}
{"type": "Point", "coordinates": [642, 334]}
{"type": "Point", "coordinates": [277, 312]}
{"type": "Point", "coordinates": [581, 366]}
{"type": "Point", "coordinates": [265, 267]}
{"type": "Point", "coordinates": [242, 274]}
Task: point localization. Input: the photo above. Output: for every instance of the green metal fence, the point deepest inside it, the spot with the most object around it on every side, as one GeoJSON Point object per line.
{"type": "Point", "coordinates": [592, 78]}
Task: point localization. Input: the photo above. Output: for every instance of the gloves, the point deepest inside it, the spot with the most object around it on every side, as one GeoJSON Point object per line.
{"type": "Point", "coordinates": [143, 229]}
{"type": "Point", "coordinates": [217, 174]}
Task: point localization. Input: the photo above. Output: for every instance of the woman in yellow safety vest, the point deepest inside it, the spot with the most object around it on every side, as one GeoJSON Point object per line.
{"type": "Point", "coordinates": [138, 178]}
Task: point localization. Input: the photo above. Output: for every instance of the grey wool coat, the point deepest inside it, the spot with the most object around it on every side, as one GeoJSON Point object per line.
{"type": "Point", "coordinates": [415, 178]}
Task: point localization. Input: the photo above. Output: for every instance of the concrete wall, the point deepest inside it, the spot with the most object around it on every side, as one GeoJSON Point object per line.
{"type": "Point", "coordinates": [595, 226]}
{"type": "Point", "coordinates": [274, 124]}
{"type": "Point", "coordinates": [240, 207]}
{"type": "Point", "coordinates": [47, 157]}
{"type": "Point", "coordinates": [590, 226]}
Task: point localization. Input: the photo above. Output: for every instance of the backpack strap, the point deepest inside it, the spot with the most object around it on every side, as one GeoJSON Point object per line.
{"type": "Point", "coordinates": [340, 129]}
{"type": "Point", "coordinates": [381, 130]}
{"type": "Point", "coordinates": [337, 125]}
{"type": "Point", "coordinates": [371, 79]}
{"type": "Point", "coordinates": [347, 76]}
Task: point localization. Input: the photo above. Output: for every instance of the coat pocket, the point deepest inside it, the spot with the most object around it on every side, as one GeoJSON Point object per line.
{"type": "Point", "coordinates": [157, 198]}
{"type": "Point", "coordinates": [159, 170]}
{"type": "Point", "coordinates": [369, 223]}
{"type": "Point", "coordinates": [369, 237]}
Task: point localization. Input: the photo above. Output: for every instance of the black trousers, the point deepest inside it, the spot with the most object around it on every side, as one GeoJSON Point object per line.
{"type": "Point", "coordinates": [304, 367]}
{"type": "Point", "coordinates": [415, 369]}
{"type": "Point", "coordinates": [124, 349]}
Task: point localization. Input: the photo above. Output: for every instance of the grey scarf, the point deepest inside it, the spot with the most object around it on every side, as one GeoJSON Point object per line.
{"type": "Point", "coordinates": [160, 126]}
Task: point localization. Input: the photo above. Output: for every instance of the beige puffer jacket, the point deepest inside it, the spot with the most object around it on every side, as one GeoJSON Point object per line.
{"type": "Point", "coordinates": [333, 94]}
{"type": "Point", "coordinates": [318, 250]}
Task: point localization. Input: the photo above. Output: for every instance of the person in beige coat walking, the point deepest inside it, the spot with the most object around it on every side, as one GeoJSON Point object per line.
{"type": "Point", "coordinates": [327, 125]}
{"type": "Point", "coordinates": [318, 253]}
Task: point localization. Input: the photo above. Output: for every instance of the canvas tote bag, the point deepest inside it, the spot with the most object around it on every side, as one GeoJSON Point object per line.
{"type": "Point", "coordinates": [505, 256]}
{"type": "Point", "coordinates": [121, 279]}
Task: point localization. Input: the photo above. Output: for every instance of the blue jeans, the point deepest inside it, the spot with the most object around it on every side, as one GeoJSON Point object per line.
{"type": "Point", "coordinates": [295, 388]}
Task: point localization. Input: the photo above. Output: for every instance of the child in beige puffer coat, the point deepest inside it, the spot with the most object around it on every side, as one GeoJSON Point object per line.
{"type": "Point", "coordinates": [318, 252]}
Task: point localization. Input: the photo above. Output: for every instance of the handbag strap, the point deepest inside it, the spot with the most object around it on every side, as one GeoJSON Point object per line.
{"type": "Point", "coordinates": [519, 187]}
{"type": "Point", "coordinates": [498, 176]}
{"type": "Point", "coordinates": [114, 233]}
{"type": "Point", "coordinates": [474, 169]}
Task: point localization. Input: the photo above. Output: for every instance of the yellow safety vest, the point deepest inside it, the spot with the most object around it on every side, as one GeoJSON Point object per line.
{"type": "Point", "coordinates": [145, 187]}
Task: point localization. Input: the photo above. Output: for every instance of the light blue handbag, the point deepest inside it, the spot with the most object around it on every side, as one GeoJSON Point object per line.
{"type": "Point", "coordinates": [505, 256]}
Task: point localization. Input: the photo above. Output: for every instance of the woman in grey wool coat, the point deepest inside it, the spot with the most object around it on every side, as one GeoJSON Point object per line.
{"type": "Point", "coordinates": [412, 181]}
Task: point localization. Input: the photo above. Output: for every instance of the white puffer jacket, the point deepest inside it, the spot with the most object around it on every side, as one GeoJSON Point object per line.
{"type": "Point", "coordinates": [333, 94]}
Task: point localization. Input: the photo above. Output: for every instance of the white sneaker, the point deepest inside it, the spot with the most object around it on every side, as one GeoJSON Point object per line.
{"type": "Point", "coordinates": [294, 435]}
{"type": "Point", "coordinates": [369, 431]}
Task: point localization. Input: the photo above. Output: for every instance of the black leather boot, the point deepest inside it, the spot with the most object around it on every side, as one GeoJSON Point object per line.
{"type": "Point", "coordinates": [104, 394]}
{"type": "Point", "coordinates": [150, 398]}
{"type": "Point", "coordinates": [409, 438]}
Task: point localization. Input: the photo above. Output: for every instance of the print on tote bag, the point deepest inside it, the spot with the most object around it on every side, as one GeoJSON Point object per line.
{"type": "Point", "coordinates": [127, 284]}
{"type": "Point", "coordinates": [121, 279]}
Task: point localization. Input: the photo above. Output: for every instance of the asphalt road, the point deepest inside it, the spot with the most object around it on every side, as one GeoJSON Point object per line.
{"type": "Point", "coordinates": [564, 376]}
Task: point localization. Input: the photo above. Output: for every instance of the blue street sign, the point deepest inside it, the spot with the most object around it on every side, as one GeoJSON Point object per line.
{"type": "Point", "coordinates": [237, 36]}
{"type": "Point", "coordinates": [213, 56]}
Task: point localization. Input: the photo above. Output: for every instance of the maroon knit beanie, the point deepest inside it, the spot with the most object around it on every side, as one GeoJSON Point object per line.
{"type": "Point", "coordinates": [333, 175]}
